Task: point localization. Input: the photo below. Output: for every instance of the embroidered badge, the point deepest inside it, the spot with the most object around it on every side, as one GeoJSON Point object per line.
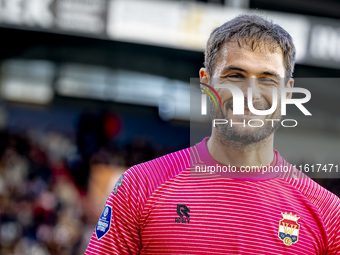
{"type": "Point", "coordinates": [118, 184]}
{"type": "Point", "coordinates": [104, 223]}
{"type": "Point", "coordinates": [289, 229]}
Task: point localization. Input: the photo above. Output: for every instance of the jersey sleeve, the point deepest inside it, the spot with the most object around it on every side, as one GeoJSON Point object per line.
{"type": "Point", "coordinates": [328, 205]}
{"type": "Point", "coordinates": [334, 229]}
{"type": "Point", "coordinates": [117, 229]}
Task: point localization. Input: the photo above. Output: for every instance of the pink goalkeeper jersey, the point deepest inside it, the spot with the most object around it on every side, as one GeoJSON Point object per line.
{"type": "Point", "coordinates": [165, 206]}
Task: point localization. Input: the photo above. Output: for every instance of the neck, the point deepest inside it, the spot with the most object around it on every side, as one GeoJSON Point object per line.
{"type": "Point", "coordinates": [238, 154]}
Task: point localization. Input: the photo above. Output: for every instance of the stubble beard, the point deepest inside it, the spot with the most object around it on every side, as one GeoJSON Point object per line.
{"type": "Point", "coordinates": [239, 136]}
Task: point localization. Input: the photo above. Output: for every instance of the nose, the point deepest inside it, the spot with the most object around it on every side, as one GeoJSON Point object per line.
{"type": "Point", "coordinates": [253, 84]}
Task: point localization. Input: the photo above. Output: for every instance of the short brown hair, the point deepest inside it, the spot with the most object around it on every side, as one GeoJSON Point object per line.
{"type": "Point", "coordinates": [251, 30]}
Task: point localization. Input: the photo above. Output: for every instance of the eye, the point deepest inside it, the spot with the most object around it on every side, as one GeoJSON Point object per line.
{"type": "Point", "coordinates": [236, 77]}
{"type": "Point", "coordinates": [267, 81]}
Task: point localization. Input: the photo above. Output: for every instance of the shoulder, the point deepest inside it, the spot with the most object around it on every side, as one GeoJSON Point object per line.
{"type": "Point", "coordinates": [161, 169]}
{"type": "Point", "coordinates": [144, 178]}
{"type": "Point", "coordinates": [314, 192]}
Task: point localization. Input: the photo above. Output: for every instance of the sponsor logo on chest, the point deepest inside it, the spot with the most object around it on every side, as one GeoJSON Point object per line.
{"type": "Point", "coordinates": [183, 212]}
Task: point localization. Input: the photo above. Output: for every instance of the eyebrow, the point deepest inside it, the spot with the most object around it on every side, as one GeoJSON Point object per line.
{"type": "Point", "coordinates": [235, 68]}
{"type": "Point", "coordinates": [271, 73]}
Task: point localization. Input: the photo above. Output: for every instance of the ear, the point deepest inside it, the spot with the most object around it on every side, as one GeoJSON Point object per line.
{"type": "Point", "coordinates": [289, 84]}
{"type": "Point", "coordinates": [204, 78]}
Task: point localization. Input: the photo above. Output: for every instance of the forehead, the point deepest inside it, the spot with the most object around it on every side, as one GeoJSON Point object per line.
{"type": "Point", "coordinates": [254, 58]}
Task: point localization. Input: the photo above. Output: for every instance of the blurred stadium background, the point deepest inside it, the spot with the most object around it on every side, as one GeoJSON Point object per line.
{"type": "Point", "coordinates": [91, 87]}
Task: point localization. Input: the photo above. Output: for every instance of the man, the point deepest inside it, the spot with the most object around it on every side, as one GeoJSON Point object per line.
{"type": "Point", "coordinates": [166, 206]}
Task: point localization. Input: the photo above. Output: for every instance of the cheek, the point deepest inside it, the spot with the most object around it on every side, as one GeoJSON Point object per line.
{"type": "Point", "coordinates": [268, 95]}
{"type": "Point", "coordinates": [224, 94]}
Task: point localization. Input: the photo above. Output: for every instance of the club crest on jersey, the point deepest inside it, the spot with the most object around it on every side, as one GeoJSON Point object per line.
{"type": "Point", "coordinates": [289, 229]}
{"type": "Point", "coordinates": [104, 223]}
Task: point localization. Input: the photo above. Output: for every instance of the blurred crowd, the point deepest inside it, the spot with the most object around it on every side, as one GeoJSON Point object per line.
{"type": "Point", "coordinates": [45, 205]}
{"type": "Point", "coordinates": [42, 209]}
